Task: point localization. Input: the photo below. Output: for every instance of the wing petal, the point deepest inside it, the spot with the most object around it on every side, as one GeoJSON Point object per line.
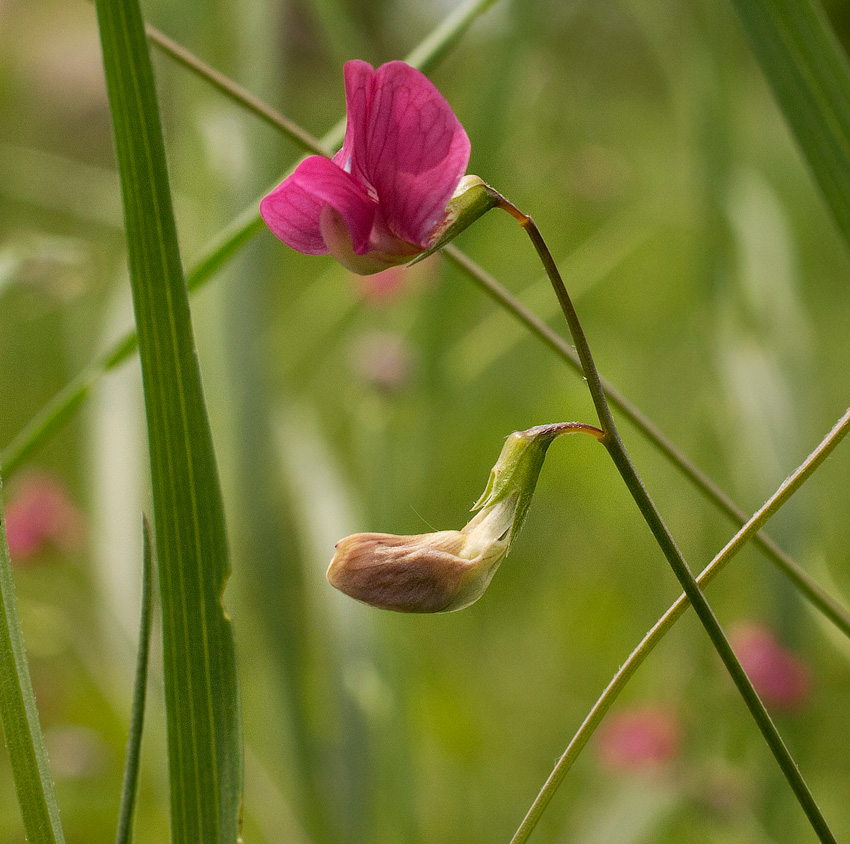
{"type": "Point", "coordinates": [294, 208]}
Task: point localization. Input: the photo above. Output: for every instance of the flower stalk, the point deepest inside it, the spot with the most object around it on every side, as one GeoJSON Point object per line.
{"type": "Point", "coordinates": [617, 450]}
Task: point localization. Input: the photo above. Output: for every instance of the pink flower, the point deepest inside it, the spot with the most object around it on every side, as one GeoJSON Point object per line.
{"type": "Point", "coordinates": [779, 677]}
{"type": "Point", "coordinates": [382, 199]}
{"type": "Point", "coordinates": [638, 739]}
{"type": "Point", "coordinates": [41, 514]}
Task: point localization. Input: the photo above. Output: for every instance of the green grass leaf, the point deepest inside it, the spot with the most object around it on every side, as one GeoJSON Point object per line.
{"type": "Point", "coordinates": [124, 833]}
{"type": "Point", "coordinates": [810, 77]}
{"type": "Point", "coordinates": [202, 708]}
{"type": "Point", "coordinates": [20, 718]}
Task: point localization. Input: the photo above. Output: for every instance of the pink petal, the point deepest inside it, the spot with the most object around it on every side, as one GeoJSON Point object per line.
{"type": "Point", "coordinates": [359, 91]}
{"type": "Point", "coordinates": [293, 209]}
{"type": "Point", "coordinates": [24, 538]}
{"type": "Point", "coordinates": [416, 151]}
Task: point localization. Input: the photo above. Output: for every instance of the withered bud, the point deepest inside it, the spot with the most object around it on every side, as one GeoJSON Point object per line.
{"type": "Point", "coordinates": [429, 572]}
{"type": "Point", "coordinates": [450, 569]}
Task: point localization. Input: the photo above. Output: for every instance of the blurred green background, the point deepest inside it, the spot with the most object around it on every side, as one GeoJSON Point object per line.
{"type": "Point", "coordinates": [712, 287]}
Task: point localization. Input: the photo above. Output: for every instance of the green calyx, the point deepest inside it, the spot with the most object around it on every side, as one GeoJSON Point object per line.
{"type": "Point", "coordinates": [515, 473]}
{"type": "Point", "coordinates": [472, 199]}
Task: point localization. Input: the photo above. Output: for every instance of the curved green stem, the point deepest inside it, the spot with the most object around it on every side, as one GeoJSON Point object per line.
{"type": "Point", "coordinates": [664, 538]}
{"type": "Point", "coordinates": [660, 628]}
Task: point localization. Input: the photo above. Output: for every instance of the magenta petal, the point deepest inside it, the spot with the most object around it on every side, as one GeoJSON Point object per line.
{"type": "Point", "coordinates": [292, 210]}
{"type": "Point", "coordinates": [359, 89]}
{"type": "Point", "coordinates": [416, 151]}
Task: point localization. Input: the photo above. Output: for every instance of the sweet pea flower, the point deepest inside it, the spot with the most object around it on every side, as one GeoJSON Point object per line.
{"type": "Point", "coordinates": [430, 572]}
{"type": "Point", "coordinates": [382, 199]}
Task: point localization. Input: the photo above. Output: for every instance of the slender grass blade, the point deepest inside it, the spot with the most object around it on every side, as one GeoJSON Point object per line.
{"type": "Point", "coordinates": [19, 717]}
{"type": "Point", "coordinates": [810, 77]}
{"type": "Point", "coordinates": [202, 707]}
{"type": "Point", "coordinates": [124, 833]}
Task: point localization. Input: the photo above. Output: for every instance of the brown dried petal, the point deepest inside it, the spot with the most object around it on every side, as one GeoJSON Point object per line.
{"type": "Point", "coordinates": [421, 573]}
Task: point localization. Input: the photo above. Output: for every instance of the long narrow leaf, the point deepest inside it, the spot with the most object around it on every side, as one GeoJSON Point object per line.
{"type": "Point", "coordinates": [810, 76]}
{"type": "Point", "coordinates": [202, 710]}
{"type": "Point", "coordinates": [124, 833]}
{"type": "Point", "coordinates": [20, 718]}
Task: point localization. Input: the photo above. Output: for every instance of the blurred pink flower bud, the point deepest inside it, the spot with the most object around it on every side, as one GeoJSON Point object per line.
{"type": "Point", "coordinates": [638, 739]}
{"type": "Point", "coordinates": [41, 514]}
{"type": "Point", "coordinates": [779, 677]}
{"type": "Point", "coordinates": [383, 359]}
{"type": "Point", "coordinates": [384, 289]}
{"type": "Point", "coordinates": [383, 197]}
{"type": "Point", "coordinates": [380, 288]}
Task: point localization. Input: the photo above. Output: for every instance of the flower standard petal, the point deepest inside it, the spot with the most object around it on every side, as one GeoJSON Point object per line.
{"type": "Point", "coordinates": [294, 208]}
{"type": "Point", "coordinates": [416, 151]}
{"type": "Point", "coordinates": [359, 91]}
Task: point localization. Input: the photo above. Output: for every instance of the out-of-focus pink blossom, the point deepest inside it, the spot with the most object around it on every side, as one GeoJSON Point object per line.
{"type": "Point", "coordinates": [381, 288]}
{"type": "Point", "coordinates": [383, 360]}
{"type": "Point", "coordinates": [638, 739]}
{"type": "Point", "coordinates": [385, 288]}
{"type": "Point", "coordinates": [780, 678]}
{"type": "Point", "coordinates": [41, 514]}
{"type": "Point", "coordinates": [382, 199]}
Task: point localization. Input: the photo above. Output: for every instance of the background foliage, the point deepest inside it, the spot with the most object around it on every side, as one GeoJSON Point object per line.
{"type": "Point", "coordinates": [713, 289]}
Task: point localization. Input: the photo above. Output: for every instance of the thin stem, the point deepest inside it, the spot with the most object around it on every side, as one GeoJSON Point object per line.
{"type": "Point", "coordinates": [559, 428]}
{"type": "Point", "coordinates": [663, 625]}
{"type": "Point", "coordinates": [236, 92]}
{"type": "Point", "coordinates": [664, 538]}
{"type": "Point", "coordinates": [129, 786]}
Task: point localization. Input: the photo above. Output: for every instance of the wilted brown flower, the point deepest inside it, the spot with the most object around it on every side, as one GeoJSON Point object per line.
{"type": "Point", "coordinates": [429, 572]}
{"type": "Point", "coordinates": [449, 569]}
